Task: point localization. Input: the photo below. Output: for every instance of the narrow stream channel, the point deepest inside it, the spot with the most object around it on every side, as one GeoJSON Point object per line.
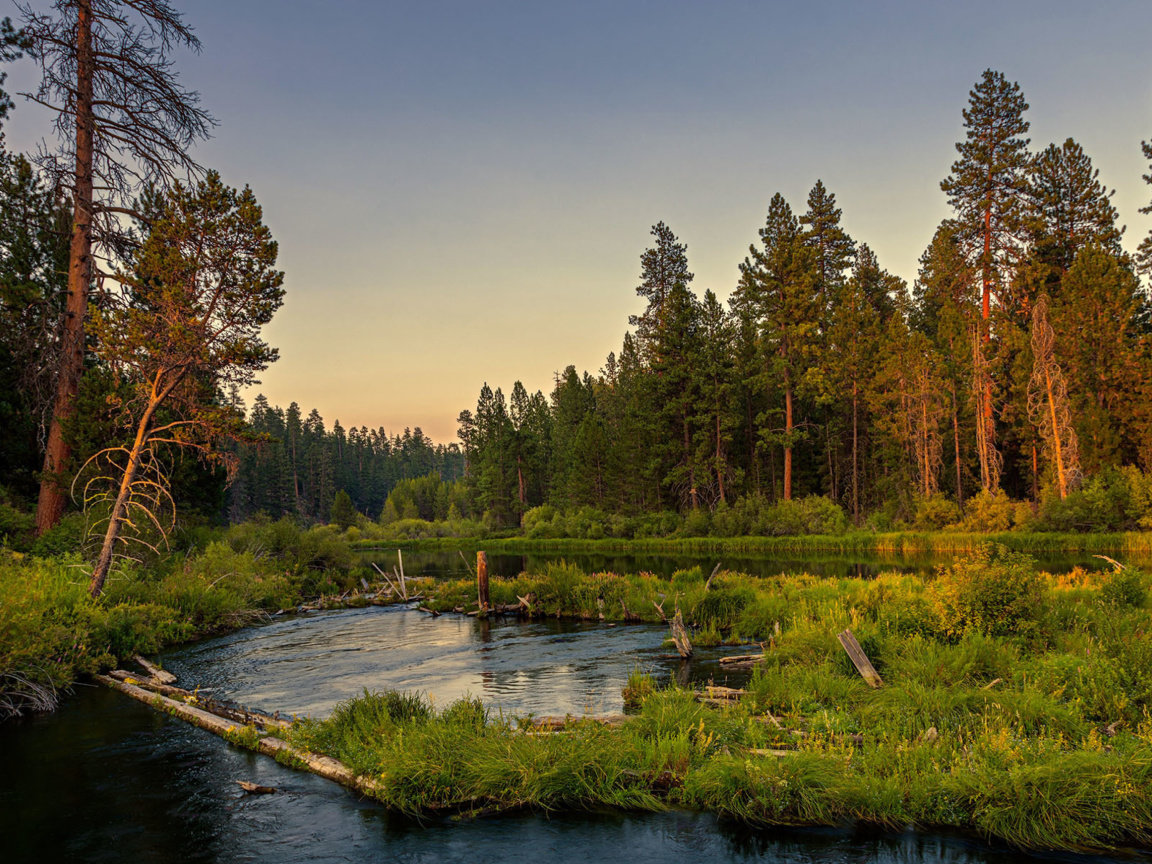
{"type": "Point", "coordinates": [108, 779]}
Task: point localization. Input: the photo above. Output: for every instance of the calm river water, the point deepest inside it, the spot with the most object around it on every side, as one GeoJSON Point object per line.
{"type": "Point", "coordinates": [108, 779]}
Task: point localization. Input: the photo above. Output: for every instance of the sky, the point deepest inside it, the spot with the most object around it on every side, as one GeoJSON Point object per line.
{"type": "Point", "coordinates": [462, 191]}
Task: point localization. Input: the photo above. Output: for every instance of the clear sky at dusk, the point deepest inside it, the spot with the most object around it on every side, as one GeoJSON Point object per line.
{"type": "Point", "coordinates": [462, 190]}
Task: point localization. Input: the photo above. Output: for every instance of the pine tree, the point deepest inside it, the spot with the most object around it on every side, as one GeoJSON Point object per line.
{"type": "Point", "coordinates": [1101, 343]}
{"type": "Point", "coordinates": [987, 183]}
{"type": "Point", "coordinates": [779, 290]}
{"type": "Point", "coordinates": [662, 268]}
{"type": "Point", "coordinates": [853, 345]}
{"type": "Point", "coordinates": [343, 512]}
{"type": "Point", "coordinates": [1144, 253]}
{"type": "Point", "coordinates": [834, 251]}
{"type": "Point", "coordinates": [717, 421]}
{"type": "Point", "coordinates": [1069, 206]}
{"type": "Point", "coordinates": [945, 309]}
{"type": "Point", "coordinates": [1048, 401]}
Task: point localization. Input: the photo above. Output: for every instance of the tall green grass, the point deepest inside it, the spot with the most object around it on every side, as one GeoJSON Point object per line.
{"type": "Point", "coordinates": [51, 631]}
{"type": "Point", "coordinates": [1016, 705]}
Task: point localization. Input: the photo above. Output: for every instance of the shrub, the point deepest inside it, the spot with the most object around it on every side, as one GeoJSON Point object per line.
{"type": "Point", "coordinates": [988, 512]}
{"type": "Point", "coordinates": [696, 523]}
{"type": "Point", "coordinates": [935, 513]}
{"type": "Point", "coordinates": [990, 590]}
{"type": "Point", "coordinates": [539, 521]}
{"type": "Point", "coordinates": [1126, 587]}
{"type": "Point", "coordinates": [15, 526]}
{"type": "Point", "coordinates": [1117, 499]}
{"type": "Point", "coordinates": [812, 515]}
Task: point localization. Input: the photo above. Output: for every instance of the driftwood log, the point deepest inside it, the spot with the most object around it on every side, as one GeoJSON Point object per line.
{"type": "Point", "coordinates": [860, 659]}
{"type": "Point", "coordinates": [324, 766]}
{"type": "Point", "coordinates": [236, 713]}
{"type": "Point", "coordinates": [254, 788]}
{"type": "Point", "coordinates": [157, 674]}
{"type": "Point", "coordinates": [680, 635]}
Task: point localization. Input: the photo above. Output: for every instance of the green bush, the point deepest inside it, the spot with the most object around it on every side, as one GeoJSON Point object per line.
{"type": "Point", "coordinates": [990, 590]}
{"type": "Point", "coordinates": [1117, 499]}
{"type": "Point", "coordinates": [1126, 587]}
{"type": "Point", "coordinates": [935, 513]}
{"type": "Point", "coordinates": [987, 512]}
{"type": "Point", "coordinates": [15, 527]}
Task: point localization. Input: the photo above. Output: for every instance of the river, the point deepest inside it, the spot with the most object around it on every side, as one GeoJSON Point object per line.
{"type": "Point", "coordinates": [108, 779]}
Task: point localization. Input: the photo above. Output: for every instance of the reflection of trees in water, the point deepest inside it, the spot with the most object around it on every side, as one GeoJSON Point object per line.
{"type": "Point", "coordinates": [450, 564]}
{"type": "Point", "coordinates": [861, 844]}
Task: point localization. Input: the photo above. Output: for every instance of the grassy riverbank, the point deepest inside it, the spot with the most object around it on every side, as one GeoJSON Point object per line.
{"type": "Point", "coordinates": [1015, 704]}
{"type": "Point", "coordinates": [1136, 543]}
{"type": "Point", "coordinates": [51, 631]}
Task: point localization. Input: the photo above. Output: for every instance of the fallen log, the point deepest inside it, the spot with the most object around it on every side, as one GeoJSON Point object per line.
{"type": "Point", "coordinates": [255, 789]}
{"type": "Point", "coordinates": [741, 658]}
{"type": "Point", "coordinates": [236, 713]}
{"type": "Point", "coordinates": [557, 723]}
{"type": "Point", "coordinates": [715, 570]}
{"type": "Point", "coordinates": [156, 672]}
{"type": "Point", "coordinates": [282, 751]}
{"type": "Point", "coordinates": [714, 691]}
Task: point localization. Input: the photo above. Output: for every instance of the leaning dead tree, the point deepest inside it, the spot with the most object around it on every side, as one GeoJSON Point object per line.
{"type": "Point", "coordinates": [122, 122]}
{"type": "Point", "coordinates": [183, 330]}
{"type": "Point", "coordinates": [1048, 402]}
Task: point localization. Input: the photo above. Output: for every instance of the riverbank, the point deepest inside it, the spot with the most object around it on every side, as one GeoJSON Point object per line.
{"type": "Point", "coordinates": [52, 632]}
{"type": "Point", "coordinates": [1013, 704]}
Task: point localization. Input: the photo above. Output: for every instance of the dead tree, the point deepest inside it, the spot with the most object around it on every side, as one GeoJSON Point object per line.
{"type": "Point", "coordinates": [122, 123]}
{"type": "Point", "coordinates": [1048, 402]}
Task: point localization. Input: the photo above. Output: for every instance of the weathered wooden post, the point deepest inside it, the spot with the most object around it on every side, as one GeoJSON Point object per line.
{"type": "Point", "coordinates": [859, 659]}
{"type": "Point", "coordinates": [680, 635]}
{"type": "Point", "coordinates": [482, 580]}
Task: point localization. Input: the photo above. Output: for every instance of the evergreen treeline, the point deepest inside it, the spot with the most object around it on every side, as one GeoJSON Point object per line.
{"type": "Point", "coordinates": [1018, 364]}
{"type": "Point", "coordinates": [300, 466]}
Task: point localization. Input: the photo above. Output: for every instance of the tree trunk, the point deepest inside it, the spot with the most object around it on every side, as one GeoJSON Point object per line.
{"type": "Point", "coordinates": [719, 458]}
{"type": "Point", "coordinates": [691, 468]}
{"type": "Point", "coordinates": [855, 446]}
{"type": "Point", "coordinates": [956, 443]}
{"type": "Point", "coordinates": [119, 509]}
{"type": "Point", "coordinates": [1056, 446]}
{"type": "Point", "coordinates": [788, 434]}
{"type": "Point", "coordinates": [57, 452]}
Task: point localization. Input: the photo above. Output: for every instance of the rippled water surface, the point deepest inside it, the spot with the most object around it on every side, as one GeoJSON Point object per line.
{"type": "Point", "coordinates": [108, 779]}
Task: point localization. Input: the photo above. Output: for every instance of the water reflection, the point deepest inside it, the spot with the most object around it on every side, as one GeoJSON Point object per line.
{"type": "Point", "coordinates": [109, 780]}
{"type": "Point", "coordinates": [444, 564]}
{"type": "Point", "coordinates": [307, 664]}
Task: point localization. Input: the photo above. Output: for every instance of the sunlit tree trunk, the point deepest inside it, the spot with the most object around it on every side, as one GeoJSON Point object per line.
{"type": "Point", "coordinates": [57, 451]}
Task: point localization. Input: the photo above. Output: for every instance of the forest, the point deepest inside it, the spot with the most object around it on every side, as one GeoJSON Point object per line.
{"type": "Point", "coordinates": [145, 505]}
{"type": "Point", "coordinates": [1009, 386]}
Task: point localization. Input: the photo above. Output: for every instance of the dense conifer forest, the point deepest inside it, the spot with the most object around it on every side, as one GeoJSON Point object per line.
{"type": "Point", "coordinates": [1008, 386]}
{"type": "Point", "coordinates": [1015, 370]}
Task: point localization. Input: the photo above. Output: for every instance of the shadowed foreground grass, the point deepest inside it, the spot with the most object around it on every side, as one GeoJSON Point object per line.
{"type": "Point", "coordinates": [1015, 705]}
